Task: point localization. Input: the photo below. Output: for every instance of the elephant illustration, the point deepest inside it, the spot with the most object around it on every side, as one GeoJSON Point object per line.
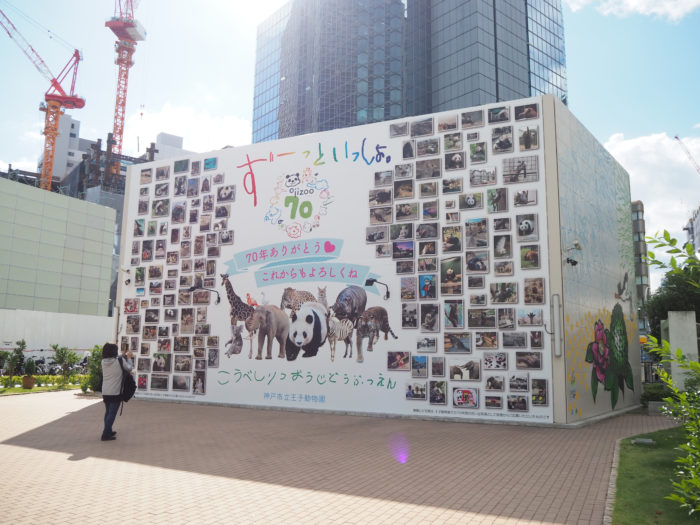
{"type": "Point", "coordinates": [271, 322]}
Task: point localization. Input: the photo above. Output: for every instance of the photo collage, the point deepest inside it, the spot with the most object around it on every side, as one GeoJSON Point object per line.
{"type": "Point", "coordinates": [460, 219]}
{"type": "Point", "coordinates": [182, 224]}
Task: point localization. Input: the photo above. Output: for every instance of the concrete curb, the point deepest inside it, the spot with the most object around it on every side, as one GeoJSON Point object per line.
{"type": "Point", "coordinates": [612, 485]}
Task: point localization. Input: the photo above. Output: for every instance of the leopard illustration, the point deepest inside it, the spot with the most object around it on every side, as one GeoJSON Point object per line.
{"type": "Point", "coordinates": [292, 299]}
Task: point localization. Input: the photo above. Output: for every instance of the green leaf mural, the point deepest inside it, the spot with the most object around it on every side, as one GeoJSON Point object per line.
{"type": "Point", "coordinates": [609, 354]}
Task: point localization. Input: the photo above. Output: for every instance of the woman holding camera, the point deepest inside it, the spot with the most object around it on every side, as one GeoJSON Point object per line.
{"type": "Point", "coordinates": [112, 375]}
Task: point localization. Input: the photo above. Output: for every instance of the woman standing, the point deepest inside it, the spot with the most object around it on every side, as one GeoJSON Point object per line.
{"type": "Point", "coordinates": [112, 383]}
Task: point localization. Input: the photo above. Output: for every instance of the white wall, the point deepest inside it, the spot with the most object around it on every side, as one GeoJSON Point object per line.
{"type": "Point", "coordinates": [42, 329]}
{"type": "Point", "coordinates": [334, 175]}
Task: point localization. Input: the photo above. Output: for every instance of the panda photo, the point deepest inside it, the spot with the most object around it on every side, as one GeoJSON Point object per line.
{"type": "Point", "coordinates": [527, 227]}
{"type": "Point", "coordinates": [469, 201]}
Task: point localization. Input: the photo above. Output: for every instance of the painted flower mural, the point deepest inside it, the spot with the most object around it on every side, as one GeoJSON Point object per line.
{"type": "Point", "coordinates": [609, 355]}
{"type": "Point", "coordinates": [601, 351]}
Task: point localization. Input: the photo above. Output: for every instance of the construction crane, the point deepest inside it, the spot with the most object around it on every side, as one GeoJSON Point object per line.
{"type": "Point", "coordinates": [55, 97]}
{"type": "Point", "coordinates": [687, 152]}
{"type": "Point", "coordinates": [128, 31]}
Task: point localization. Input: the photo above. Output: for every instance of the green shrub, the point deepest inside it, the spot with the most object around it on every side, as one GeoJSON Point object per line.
{"type": "Point", "coordinates": [4, 356]}
{"type": "Point", "coordinates": [684, 406]}
{"type": "Point", "coordinates": [95, 368]}
{"type": "Point", "coordinates": [14, 360]}
{"type": "Point", "coordinates": [654, 392]}
{"type": "Point", "coordinates": [11, 381]}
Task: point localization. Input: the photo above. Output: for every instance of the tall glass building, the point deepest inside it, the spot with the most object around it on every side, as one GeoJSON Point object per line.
{"type": "Point", "coordinates": [326, 64]}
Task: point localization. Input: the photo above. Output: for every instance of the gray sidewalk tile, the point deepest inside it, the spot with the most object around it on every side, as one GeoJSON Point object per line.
{"type": "Point", "coordinates": [184, 463]}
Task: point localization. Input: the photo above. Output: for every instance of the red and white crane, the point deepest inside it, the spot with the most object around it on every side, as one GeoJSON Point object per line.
{"type": "Point", "coordinates": [128, 31]}
{"type": "Point", "coordinates": [56, 97]}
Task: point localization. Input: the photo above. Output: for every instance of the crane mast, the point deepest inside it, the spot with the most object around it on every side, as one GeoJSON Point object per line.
{"type": "Point", "coordinates": [55, 97]}
{"type": "Point", "coordinates": [128, 31]}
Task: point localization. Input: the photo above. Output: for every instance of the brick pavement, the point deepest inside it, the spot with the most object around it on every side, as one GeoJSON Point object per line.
{"type": "Point", "coordinates": [182, 463]}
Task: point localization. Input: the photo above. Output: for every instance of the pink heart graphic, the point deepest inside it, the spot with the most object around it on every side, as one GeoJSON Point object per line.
{"type": "Point", "coordinates": [329, 247]}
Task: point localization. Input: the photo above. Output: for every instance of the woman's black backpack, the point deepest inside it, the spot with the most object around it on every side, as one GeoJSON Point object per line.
{"type": "Point", "coordinates": [128, 384]}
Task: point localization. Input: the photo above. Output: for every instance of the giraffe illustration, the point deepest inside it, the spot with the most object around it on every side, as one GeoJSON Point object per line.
{"type": "Point", "coordinates": [240, 310]}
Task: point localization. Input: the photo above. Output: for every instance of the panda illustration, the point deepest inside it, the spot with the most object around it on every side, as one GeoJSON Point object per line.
{"type": "Point", "coordinates": [526, 227]}
{"type": "Point", "coordinates": [470, 201]}
{"type": "Point", "coordinates": [308, 329]}
{"type": "Point", "coordinates": [292, 180]}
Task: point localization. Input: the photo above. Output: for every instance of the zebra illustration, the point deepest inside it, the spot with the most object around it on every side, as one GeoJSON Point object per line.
{"type": "Point", "coordinates": [340, 330]}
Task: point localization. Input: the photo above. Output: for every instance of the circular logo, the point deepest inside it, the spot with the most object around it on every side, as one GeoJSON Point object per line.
{"type": "Point", "coordinates": [299, 202]}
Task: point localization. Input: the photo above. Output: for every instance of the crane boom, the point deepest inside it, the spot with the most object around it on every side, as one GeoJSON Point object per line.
{"type": "Point", "coordinates": [26, 47]}
{"type": "Point", "coordinates": [56, 97]}
{"type": "Point", "coordinates": [687, 152]}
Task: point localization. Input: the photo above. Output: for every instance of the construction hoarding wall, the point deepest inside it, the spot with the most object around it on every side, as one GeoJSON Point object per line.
{"type": "Point", "coordinates": [42, 329]}
{"type": "Point", "coordinates": [425, 238]}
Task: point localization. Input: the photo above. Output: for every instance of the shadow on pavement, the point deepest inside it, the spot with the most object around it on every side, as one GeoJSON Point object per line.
{"type": "Point", "coordinates": [466, 466]}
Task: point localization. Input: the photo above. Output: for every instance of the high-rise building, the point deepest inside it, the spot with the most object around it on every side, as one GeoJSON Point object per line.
{"type": "Point", "coordinates": [326, 64]}
{"type": "Point", "coordinates": [692, 229]}
{"type": "Point", "coordinates": [69, 148]}
{"type": "Point", "coordinates": [641, 268]}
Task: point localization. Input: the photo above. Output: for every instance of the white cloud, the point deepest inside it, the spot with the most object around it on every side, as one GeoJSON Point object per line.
{"type": "Point", "coordinates": [673, 10]}
{"type": "Point", "coordinates": [576, 5]}
{"type": "Point", "coordinates": [696, 126]}
{"type": "Point", "coordinates": [201, 131]}
{"type": "Point", "coordinates": [34, 135]}
{"type": "Point", "coordinates": [663, 178]}
{"type": "Point", "coordinates": [19, 164]}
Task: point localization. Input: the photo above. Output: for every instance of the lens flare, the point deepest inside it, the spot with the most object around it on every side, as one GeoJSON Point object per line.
{"type": "Point", "coordinates": [399, 447]}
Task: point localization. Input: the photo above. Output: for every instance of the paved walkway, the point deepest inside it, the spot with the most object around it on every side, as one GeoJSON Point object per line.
{"type": "Point", "coordinates": [182, 463]}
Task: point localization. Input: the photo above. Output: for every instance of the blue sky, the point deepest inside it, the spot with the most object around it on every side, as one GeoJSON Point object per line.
{"type": "Point", "coordinates": [633, 76]}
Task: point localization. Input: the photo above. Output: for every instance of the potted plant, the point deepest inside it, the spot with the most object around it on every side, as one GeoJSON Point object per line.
{"type": "Point", "coordinates": [29, 371]}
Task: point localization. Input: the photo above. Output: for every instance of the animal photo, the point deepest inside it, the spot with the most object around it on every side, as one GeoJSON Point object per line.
{"type": "Point", "coordinates": [463, 370]}
{"type": "Point", "coordinates": [527, 227]}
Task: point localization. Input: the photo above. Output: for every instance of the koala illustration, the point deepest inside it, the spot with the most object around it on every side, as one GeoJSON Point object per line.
{"type": "Point", "coordinates": [292, 180]}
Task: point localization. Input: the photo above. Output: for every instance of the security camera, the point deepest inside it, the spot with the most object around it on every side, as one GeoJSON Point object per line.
{"type": "Point", "coordinates": [126, 270]}
{"type": "Point", "coordinates": [127, 282]}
